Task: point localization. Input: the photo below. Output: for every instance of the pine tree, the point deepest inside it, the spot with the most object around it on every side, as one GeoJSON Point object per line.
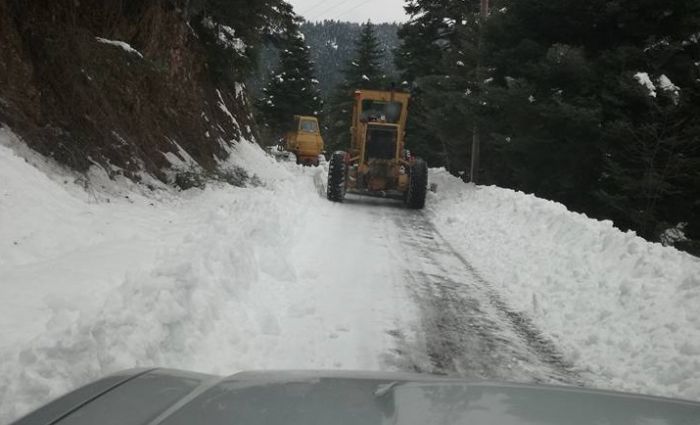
{"type": "Point", "coordinates": [437, 59]}
{"type": "Point", "coordinates": [646, 183]}
{"type": "Point", "coordinates": [561, 111]}
{"type": "Point", "coordinates": [435, 27]}
{"type": "Point", "coordinates": [652, 164]}
{"type": "Point", "coordinates": [333, 42]}
{"type": "Point", "coordinates": [592, 137]}
{"type": "Point", "coordinates": [292, 88]}
{"type": "Point", "coordinates": [233, 32]}
{"type": "Point", "coordinates": [364, 71]}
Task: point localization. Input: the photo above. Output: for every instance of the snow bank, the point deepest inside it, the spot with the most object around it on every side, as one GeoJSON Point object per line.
{"type": "Point", "coordinates": [663, 83]}
{"type": "Point", "coordinates": [193, 301]}
{"type": "Point", "coordinates": [93, 287]}
{"type": "Point", "coordinates": [226, 36]}
{"type": "Point", "coordinates": [625, 311]}
{"type": "Point", "coordinates": [210, 280]}
{"type": "Point", "coordinates": [225, 110]}
{"type": "Point", "coordinates": [122, 45]}
{"type": "Point", "coordinates": [64, 246]}
{"type": "Point", "coordinates": [644, 80]}
{"type": "Point", "coordinates": [40, 212]}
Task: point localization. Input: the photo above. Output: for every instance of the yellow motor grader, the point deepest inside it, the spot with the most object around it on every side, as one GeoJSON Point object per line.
{"type": "Point", "coordinates": [304, 140]}
{"type": "Point", "coordinates": [377, 163]}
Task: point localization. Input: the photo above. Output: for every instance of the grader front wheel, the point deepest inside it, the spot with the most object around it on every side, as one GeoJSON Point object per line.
{"type": "Point", "coordinates": [418, 185]}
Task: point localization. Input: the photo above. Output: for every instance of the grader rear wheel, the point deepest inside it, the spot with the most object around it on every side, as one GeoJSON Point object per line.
{"type": "Point", "coordinates": [337, 170]}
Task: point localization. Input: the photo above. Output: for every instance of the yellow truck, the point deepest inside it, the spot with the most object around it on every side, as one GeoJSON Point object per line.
{"type": "Point", "coordinates": [304, 140]}
{"type": "Point", "coordinates": [377, 162]}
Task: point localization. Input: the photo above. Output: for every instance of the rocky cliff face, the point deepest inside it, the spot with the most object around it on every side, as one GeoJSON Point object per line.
{"type": "Point", "coordinates": [75, 94]}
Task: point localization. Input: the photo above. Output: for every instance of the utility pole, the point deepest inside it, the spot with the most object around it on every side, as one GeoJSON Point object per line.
{"type": "Point", "coordinates": [476, 139]}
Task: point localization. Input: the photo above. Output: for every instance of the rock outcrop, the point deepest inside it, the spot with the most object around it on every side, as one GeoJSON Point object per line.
{"type": "Point", "coordinates": [123, 84]}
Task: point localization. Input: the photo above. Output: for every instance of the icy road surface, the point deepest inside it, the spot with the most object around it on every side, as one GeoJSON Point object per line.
{"type": "Point", "coordinates": [492, 284]}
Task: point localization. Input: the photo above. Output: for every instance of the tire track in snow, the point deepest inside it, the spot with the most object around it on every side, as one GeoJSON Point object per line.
{"type": "Point", "coordinates": [466, 328]}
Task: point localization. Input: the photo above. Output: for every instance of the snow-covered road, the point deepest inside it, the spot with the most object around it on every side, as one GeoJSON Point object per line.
{"type": "Point", "coordinates": [345, 294]}
{"type": "Point", "coordinates": [276, 277]}
{"type": "Point", "coordinates": [232, 279]}
{"type": "Point", "coordinates": [393, 294]}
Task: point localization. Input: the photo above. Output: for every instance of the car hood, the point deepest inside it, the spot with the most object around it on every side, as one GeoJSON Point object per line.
{"type": "Point", "coordinates": [170, 397]}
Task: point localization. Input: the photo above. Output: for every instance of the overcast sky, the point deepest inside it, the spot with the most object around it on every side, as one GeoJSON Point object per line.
{"type": "Point", "coordinates": [351, 10]}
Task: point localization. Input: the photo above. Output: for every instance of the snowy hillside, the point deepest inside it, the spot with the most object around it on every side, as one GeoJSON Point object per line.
{"type": "Point", "coordinates": [274, 276]}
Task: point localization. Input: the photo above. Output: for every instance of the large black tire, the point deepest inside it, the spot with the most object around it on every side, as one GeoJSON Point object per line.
{"type": "Point", "coordinates": [337, 170]}
{"type": "Point", "coordinates": [418, 185]}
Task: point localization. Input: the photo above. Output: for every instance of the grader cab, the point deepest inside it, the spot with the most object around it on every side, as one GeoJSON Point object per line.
{"type": "Point", "coordinates": [377, 162]}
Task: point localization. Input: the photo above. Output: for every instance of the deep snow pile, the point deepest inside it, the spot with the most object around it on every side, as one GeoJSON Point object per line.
{"type": "Point", "coordinates": [625, 311]}
{"type": "Point", "coordinates": [51, 228]}
{"type": "Point", "coordinates": [93, 286]}
{"type": "Point", "coordinates": [217, 280]}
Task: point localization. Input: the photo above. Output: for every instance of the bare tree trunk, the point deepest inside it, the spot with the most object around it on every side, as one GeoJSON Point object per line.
{"type": "Point", "coordinates": [476, 152]}
{"type": "Point", "coordinates": [476, 139]}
